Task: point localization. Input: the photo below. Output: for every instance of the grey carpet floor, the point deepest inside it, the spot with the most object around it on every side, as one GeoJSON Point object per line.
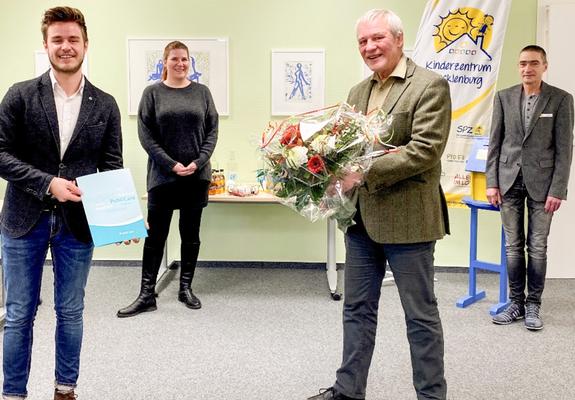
{"type": "Point", "coordinates": [276, 334]}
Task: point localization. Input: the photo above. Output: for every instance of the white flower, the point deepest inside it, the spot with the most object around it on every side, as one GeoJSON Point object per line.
{"type": "Point", "coordinates": [323, 144]}
{"type": "Point", "coordinates": [330, 144]}
{"type": "Point", "coordinates": [296, 156]}
{"type": "Point", "coordinates": [318, 144]}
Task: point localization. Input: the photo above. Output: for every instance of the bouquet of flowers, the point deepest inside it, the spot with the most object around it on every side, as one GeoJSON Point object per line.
{"type": "Point", "coordinates": [307, 157]}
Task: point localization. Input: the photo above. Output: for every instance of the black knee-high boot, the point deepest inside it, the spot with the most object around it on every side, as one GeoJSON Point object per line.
{"type": "Point", "coordinates": [189, 254]}
{"type": "Point", "coordinates": [146, 300]}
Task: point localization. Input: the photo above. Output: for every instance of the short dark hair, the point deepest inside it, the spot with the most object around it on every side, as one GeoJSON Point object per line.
{"type": "Point", "coordinates": [537, 49]}
{"type": "Point", "coordinates": [63, 14]}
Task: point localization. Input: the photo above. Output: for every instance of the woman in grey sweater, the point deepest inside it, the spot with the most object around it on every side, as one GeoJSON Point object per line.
{"type": "Point", "coordinates": [178, 128]}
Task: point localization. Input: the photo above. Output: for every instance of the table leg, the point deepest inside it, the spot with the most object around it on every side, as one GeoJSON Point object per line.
{"type": "Point", "coordinates": [165, 274]}
{"type": "Point", "coordinates": [388, 277]}
{"type": "Point", "coordinates": [164, 265]}
{"type": "Point", "coordinates": [331, 264]}
{"type": "Point", "coordinates": [473, 295]}
{"type": "Point", "coordinates": [503, 300]}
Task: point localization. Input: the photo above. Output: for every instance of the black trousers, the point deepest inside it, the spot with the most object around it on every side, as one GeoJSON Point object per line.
{"type": "Point", "coordinates": [159, 220]}
{"type": "Point", "coordinates": [187, 194]}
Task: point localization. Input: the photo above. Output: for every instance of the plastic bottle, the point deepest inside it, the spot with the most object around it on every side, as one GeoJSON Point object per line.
{"type": "Point", "coordinates": [214, 183]}
{"type": "Point", "coordinates": [232, 177]}
{"type": "Point", "coordinates": [222, 182]}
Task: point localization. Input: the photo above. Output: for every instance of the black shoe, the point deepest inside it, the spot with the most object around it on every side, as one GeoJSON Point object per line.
{"type": "Point", "coordinates": [189, 299]}
{"type": "Point", "coordinates": [330, 394]}
{"type": "Point", "coordinates": [143, 303]}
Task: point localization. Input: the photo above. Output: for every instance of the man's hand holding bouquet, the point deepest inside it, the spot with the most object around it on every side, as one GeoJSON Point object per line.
{"type": "Point", "coordinates": [318, 159]}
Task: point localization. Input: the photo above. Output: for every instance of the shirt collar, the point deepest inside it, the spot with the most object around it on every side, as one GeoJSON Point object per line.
{"type": "Point", "coordinates": [56, 85]}
{"type": "Point", "coordinates": [400, 71]}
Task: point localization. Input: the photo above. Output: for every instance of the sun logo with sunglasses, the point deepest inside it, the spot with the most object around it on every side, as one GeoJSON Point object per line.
{"type": "Point", "coordinates": [463, 21]}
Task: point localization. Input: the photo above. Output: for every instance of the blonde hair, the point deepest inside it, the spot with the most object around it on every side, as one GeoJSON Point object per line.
{"type": "Point", "coordinates": [176, 44]}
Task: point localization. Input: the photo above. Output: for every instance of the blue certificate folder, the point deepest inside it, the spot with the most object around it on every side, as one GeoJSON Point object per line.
{"type": "Point", "coordinates": [112, 206]}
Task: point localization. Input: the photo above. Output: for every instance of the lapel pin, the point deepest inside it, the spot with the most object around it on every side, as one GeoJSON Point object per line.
{"type": "Point", "coordinates": [90, 98]}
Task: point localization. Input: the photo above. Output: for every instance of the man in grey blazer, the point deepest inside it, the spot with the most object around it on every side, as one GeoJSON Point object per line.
{"type": "Point", "coordinates": [401, 213]}
{"type": "Point", "coordinates": [528, 163]}
{"type": "Point", "coordinates": [52, 129]}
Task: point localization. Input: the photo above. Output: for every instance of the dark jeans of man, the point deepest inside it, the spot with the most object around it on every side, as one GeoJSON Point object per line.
{"type": "Point", "coordinates": [412, 267]}
{"type": "Point", "coordinates": [538, 226]}
{"type": "Point", "coordinates": [23, 259]}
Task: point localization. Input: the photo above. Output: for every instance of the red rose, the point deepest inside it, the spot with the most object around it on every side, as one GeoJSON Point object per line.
{"type": "Point", "coordinates": [315, 164]}
{"type": "Point", "coordinates": [291, 135]}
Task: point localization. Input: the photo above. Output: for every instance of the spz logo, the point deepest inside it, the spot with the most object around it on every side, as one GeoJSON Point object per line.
{"type": "Point", "coordinates": [466, 130]}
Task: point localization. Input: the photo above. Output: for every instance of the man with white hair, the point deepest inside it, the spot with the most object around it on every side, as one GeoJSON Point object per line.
{"type": "Point", "coordinates": [401, 212]}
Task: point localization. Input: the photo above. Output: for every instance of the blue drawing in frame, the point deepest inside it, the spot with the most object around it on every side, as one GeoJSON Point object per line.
{"type": "Point", "coordinates": [208, 66]}
{"type": "Point", "coordinates": [298, 81]}
{"type": "Point", "coordinates": [199, 67]}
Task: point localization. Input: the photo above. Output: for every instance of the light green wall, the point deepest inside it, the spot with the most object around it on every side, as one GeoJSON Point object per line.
{"type": "Point", "coordinates": [254, 27]}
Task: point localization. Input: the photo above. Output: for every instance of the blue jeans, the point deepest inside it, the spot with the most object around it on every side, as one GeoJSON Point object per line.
{"type": "Point", "coordinates": [23, 260]}
{"type": "Point", "coordinates": [413, 271]}
{"type": "Point", "coordinates": [538, 226]}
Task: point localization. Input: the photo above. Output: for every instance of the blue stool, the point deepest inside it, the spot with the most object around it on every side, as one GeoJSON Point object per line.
{"type": "Point", "coordinates": [475, 264]}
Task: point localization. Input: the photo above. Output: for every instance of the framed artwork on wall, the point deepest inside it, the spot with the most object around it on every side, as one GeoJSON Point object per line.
{"type": "Point", "coordinates": [208, 66]}
{"type": "Point", "coordinates": [298, 81]}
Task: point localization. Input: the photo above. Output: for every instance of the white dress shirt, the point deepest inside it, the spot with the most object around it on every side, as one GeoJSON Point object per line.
{"type": "Point", "coordinates": [67, 109]}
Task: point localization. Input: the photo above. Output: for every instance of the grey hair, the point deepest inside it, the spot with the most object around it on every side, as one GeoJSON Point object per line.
{"type": "Point", "coordinates": [389, 17]}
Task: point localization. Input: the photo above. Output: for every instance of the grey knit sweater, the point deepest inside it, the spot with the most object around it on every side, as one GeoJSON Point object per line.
{"type": "Point", "coordinates": [177, 125]}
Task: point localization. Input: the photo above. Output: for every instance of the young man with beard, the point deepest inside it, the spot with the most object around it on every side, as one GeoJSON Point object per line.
{"type": "Point", "coordinates": [52, 129]}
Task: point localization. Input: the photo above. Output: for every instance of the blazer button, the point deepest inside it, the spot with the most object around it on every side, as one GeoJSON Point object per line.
{"type": "Point", "coordinates": [61, 166]}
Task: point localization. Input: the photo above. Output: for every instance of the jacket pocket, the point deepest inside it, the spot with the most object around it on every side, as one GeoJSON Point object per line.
{"type": "Point", "coordinates": [97, 127]}
{"type": "Point", "coordinates": [96, 131]}
{"type": "Point", "coordinates": [546, 163]}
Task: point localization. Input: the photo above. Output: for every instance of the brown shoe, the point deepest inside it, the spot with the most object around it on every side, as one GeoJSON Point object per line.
{"type": "Point", "coordinates": [64, 396]}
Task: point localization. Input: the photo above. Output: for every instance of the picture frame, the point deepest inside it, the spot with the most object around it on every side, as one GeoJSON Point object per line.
{"type": "Point", "coordinates": [298, 80]}
{"type": "Point", "coordinates": [209, 66]}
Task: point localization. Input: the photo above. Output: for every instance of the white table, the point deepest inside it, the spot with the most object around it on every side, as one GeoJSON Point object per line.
{"type": "Point", "coordinates": [333, 274]}
{"type": "Point", "coordinates": [267, 198]}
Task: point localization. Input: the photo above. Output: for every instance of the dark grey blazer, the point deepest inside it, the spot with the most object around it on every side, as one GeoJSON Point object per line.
{"type": "Point", "coordinates": [30, 151]}
{"type": "Point", "coordinates": [402, 200]}
{"type": "Point", "coordinates": [543, 153]}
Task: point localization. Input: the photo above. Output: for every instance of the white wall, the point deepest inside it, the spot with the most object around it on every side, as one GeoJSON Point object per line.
{"type": "Point", "coordinates": [554, 33]}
